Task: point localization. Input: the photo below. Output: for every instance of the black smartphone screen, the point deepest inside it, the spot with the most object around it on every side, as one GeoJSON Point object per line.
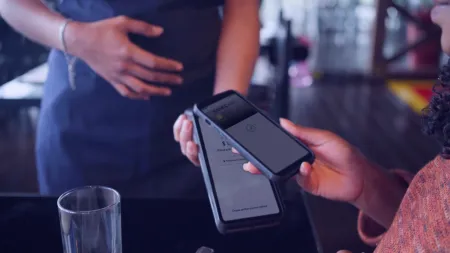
{"type": "Point", "coordinates": [255, 132]}
{"type": "Point", "coordinates": [240, 195]}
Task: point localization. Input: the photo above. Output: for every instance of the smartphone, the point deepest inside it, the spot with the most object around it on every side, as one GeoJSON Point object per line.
{"type": "Point", "coordinates": [261, 140]}
{"type": "Point", "coordinates": [239, 200]}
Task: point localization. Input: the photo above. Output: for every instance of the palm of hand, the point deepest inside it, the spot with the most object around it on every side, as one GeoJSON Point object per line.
{"type": "Point", "coordinates": [337, 172]}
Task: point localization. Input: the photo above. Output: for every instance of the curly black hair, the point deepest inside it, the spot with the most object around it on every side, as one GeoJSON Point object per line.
{"type": "Point", "coordinates": [436, 116]}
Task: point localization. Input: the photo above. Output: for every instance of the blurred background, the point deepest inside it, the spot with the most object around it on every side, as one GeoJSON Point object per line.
{"type": "Point", "coordinates": [361, 68]}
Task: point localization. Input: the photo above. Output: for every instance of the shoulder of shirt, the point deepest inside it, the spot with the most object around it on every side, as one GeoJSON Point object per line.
{"type": "Point", "coordinates": [431, 185]}
{"type": "Point", "coordinates": [423, 217]}
{"type": "Point", "coordinates": [434, 176]}
{"type": "Point", "coordinates": [437, 170]}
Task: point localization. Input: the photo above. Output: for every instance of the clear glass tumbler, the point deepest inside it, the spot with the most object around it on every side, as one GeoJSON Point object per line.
{"type": "Point", "coordinates": [90, 220]}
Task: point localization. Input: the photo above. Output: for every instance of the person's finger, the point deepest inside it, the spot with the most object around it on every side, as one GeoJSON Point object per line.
{"type": "Point", "coordinates": [302, 181]}
{"type": "Point", "coordinates": [234, 151]}
{"type": "Point", "coordinates": [344, 251]}
{"type": "Point", "coordinates": [152, 61]}
{"type": "Point", "coordinates": [192, 153]}
{"type": "Point", "coordinates": [305, 169]}
{"type": "Point", "coordinates": [250, 168]}
{"type": "Point", "coordinates": [177, 127]}
{"type": "Point", "coordinates": [306, 181]}
{"type": "Point", "coordinates": [185, 135]}
{"type": "Point", "coordinates": [439, 16]}
{"type": "Point", "coordinates": [140, 27]}
{"type": "Point", "coordinates": [154, 76]}
{"type": "Point", "coordinates": [143, 88]}
{"type": "Point", "coordinates": [310, 136]}
{"type": "Point", "coordinates": [126, 92]}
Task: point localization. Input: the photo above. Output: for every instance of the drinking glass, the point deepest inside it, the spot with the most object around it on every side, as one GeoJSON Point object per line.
{"type": "Point", "coordinates": [90, 220]}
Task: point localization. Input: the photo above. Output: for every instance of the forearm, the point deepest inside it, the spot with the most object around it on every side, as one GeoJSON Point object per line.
{"type": "Point", "coordinates": [381, 196]}
{"type": "Point", "coordinates": [238, 46]}
{"type": "Point", "coordinates": [34, 20]}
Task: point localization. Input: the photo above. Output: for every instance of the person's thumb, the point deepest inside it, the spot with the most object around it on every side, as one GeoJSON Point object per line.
{"type": "Point", "coordinates": [441, 17]}
{"type": "Point", "coordinates": [305, 180]}
{"type": "Point", "coordinates": [310, 136]}
{"type": "Point", "coordinates": [141, 27]}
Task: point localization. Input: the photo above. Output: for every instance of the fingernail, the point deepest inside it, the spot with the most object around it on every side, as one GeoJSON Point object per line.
{"type": "Point", "coordinates": [285, 121]}
{"type": "Point", "coordinates": [179, 66]}
{"type": "Point", "coordinates": [158, 29]}
{"type": "Point", "coordinates": [187, 126]}
{"type": "Point", "coordinates": [245, 167]}
{"type": "Point", "coordinates": [167, 92]}
{"type": "Point", "coordinates": [302, 169]}
{"type": "Point", "coordinates": [180, 80]}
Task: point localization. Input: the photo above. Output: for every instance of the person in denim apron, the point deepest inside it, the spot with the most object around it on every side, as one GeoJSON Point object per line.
{"type": "Point", "coordinates": [120, 73]}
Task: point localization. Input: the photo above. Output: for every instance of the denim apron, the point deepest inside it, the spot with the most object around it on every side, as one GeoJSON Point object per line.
{"type": "Point", "coordinates": [94, 136]}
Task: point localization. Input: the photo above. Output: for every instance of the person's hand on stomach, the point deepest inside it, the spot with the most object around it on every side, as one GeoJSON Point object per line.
{"type": "Point", "coordinates": [106, 48]}
{"type": "Point", "coordinates": [183, 134]}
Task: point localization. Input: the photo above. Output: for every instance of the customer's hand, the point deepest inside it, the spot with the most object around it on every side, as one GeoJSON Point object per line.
{"type": "Point", "coordinates": [183, 134]}
{"type": "Point", "coordinates": [339, 170]}
{"type": "Point", "coordinates": [106, 48]}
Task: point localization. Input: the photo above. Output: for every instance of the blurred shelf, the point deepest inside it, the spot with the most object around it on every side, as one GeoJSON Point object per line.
{"type": "Point", "coordinates": [25, 90]}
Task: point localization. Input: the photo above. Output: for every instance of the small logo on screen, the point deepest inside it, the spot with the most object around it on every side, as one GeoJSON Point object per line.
{"type": "Point", "coordinates": [250, 128]}
{"type": "Point", "coordinates": [220, 117]}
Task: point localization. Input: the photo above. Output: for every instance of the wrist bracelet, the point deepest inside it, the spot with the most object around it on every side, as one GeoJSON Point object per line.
{"type": "Point", "coordinates": [71, 60]}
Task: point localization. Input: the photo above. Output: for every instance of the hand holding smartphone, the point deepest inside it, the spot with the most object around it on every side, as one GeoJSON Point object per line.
{"type": "Point", "coordinates": [239, 201]}
{"type": "Point", "coordinates": [262, 141]}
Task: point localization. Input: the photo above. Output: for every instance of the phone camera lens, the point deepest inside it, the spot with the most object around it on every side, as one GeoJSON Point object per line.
{"type": "Point", "coordinates": [207, 122]}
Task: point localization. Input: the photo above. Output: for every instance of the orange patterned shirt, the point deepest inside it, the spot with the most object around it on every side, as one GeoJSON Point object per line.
{"type": "Point", "coordinates": [422, 223]}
